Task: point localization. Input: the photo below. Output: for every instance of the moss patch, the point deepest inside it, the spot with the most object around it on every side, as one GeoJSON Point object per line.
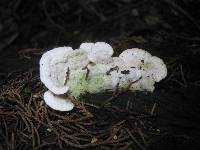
{"type": "Point", "coordinates": [80, 85]}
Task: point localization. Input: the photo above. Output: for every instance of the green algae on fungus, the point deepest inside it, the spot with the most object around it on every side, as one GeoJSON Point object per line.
{"type": "Point", "coordinates": [96, 84]}
{"type": "Point", "coordinates": [79, 85]}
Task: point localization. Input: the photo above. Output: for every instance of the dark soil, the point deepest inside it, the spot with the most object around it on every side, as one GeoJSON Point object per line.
{"type": "Point", "coordinates": [166, 119]}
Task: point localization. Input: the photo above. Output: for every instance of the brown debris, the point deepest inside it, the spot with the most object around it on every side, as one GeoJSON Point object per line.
{"type": "Point", "coordinates": [28, 123]}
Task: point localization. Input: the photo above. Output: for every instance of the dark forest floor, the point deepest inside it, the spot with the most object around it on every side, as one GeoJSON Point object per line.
{"type": "Point", "coordinates": [166, 119]}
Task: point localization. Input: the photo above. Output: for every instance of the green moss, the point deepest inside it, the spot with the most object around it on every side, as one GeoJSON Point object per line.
{"type": "Point", "coordinates": [95, 84]}
{"type": "Point", "coordinates": [80, 85]}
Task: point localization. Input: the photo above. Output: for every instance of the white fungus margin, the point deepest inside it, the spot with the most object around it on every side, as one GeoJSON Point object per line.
{"type": "Point", "coordinates": [57, 102]}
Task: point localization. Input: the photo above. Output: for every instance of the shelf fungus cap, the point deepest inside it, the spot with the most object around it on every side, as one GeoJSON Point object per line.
{"type": "Point", "coordinates": [131, 74]}
{"type": "Point", "coordinates": [144, 84]}
{"type": "Point", "coordinates": [155, 68]}
{"type": "Point", "coordinates": [86, 47]}
{"type": "Point", "coordinates": [151, 66]}
{"type": "Point", "coordinates": [53, 69]}
{"type": "Point", "coordinates": [57, 102]}
{"type": "Point", "coordinates": [99, 52]}
{"type": "Point", "coordinates": [128, 76]}
{"type": "Point", "coordinates": [134, 57]}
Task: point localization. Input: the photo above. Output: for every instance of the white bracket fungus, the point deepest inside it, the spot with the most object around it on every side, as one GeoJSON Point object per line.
{"type": "Point", "coordinates": [97, 52]}
{"type": "Point", "coordinates": [92, 69]}
{"type": "Point", "coordinates": [57, 102]}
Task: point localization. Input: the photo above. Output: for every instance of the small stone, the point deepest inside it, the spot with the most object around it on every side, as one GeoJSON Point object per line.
{"type": "Point", "coordinates": [115, 137]}
{"type": "Point", "coordinates": [94, 140]}
{"type": "Point", "coordinates": [49, 130]}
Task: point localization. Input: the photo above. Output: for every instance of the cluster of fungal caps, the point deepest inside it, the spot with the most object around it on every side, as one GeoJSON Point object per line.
{"type": "Point", "coordinates": [92, 69]}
